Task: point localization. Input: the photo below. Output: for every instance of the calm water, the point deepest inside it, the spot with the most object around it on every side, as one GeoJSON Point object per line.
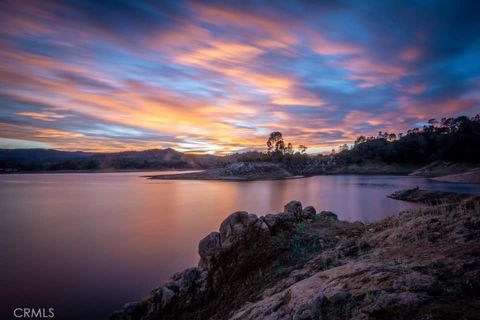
{"type": "Point", "coordinates": [87, 243]}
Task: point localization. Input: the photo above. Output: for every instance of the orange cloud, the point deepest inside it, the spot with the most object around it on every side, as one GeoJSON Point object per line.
{"type": "Point", "coordinates": [236, 62]}
{"type": "Point", "coordinates": [44, 116]}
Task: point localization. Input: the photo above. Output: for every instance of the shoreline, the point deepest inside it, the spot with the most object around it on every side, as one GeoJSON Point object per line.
{"type": "Point", "coordinates": [471, 176]}
{"type": "Point", "coordinates": [98, 171]}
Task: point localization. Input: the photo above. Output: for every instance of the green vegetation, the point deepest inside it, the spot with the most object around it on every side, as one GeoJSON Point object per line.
{"type": "Point", "coordinates": [451, 139]}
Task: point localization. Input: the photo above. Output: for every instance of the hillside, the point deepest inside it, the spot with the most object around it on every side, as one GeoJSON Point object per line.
{"type": "Point", "coordinates": [54, 160]}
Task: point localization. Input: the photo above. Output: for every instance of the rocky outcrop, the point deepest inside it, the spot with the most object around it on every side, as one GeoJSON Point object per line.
{"type": "Point", "coordinates": [237, 171]}
{"type": "Point", "coordinates": [298, 264]}
{"type": "Point", "coordinates": [230, 259]}
{"type": "Point", "coordinates": [430, 197]}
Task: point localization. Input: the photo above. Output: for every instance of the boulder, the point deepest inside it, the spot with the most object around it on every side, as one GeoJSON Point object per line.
{"type": "Point", "coordinates": [328, 215]}
{"type": "Point", "coordinates": [294, 207]}
{"type": "Point", "coordinates": [210, 245]}
{"type": "Point", "coordinates": [232, 228]}
{"type": "Point", "coordinates": [309, 212]}
{"type": "Point", "coordinates": [270, 220]}
{"type": "Point", "coordinates": [286, 218]}
{"type": "Point", "coordinates": [240, 226]}
{"type": "Point", "coordinates": [167, 296]}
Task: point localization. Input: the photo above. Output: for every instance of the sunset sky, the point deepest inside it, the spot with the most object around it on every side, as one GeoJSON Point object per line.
{"type": "Point", "coordinates": [217, 77]}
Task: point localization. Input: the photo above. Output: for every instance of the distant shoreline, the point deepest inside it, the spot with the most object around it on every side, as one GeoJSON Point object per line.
{"type": "Point", "coordinates": [99, 171]}
{"type": "Point", "coordinates": [471, 176]}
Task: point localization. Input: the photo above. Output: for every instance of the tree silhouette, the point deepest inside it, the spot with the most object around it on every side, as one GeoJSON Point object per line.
{"type": "Point", "coordinates": [302, 148]}
{"type": "Point", "coordinates": [275, 142]}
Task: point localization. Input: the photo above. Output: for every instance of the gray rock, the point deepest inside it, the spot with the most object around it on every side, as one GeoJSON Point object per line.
{"type": "Point", "coordinates": [167, 296]}
{"type": "Point", "coordinates": [261, 226]}
{"type": "Point", "coordinates": [153, 310]}
{"type": "Point", "coordinates": [232, 221]}
{"type": "Point", "coordinates": [131, 311]}
{"type": "Point", "coordinates": [233, 226]}
{"type": "Point", "coordinates": [339, 296]}
{"type": "Point", "coordinates": [131, 307]}
{"type": "Point", "coordinates": [329, 215]}
{"type": "Point", "coordinates": [210, 246]}
{"type": "Point", "coordinates": [294, 207]}
{"type": "Point", "coordinates": [270, 220]}
{"type": "Point", "coordinates": [309, 212]}
{"type": "Point", "coordinates": [286, 218]}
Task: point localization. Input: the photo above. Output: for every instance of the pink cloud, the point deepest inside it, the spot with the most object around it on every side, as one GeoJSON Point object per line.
{"type": "Point", "coordinates": [414, 90]}
{"type": "Point", "coordinates": [370, 73]}
{"type": "Point", "coordinates": [447, 108]}
{"type": "Point", "coordinates": [411, 54]}
{"type": "Point", "coordinates": [324, 46]}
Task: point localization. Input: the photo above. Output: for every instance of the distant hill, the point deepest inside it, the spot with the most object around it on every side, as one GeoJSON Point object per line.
{"type": "Point", "coordinates": [54, 160]}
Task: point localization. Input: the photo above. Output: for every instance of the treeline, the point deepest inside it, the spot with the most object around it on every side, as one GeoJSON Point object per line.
{"type": "Point", "coordinates": [54, 160]}
{"type": "Point", "coordinates": [450, 139]}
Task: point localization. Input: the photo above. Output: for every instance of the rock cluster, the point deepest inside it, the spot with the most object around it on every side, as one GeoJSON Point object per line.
{"type": "Point", "coordinates": [430, 197]}
{"type": "Point", "coordinates": [243, 171]}
{"type": "Point", "coordinates": [240, 237]}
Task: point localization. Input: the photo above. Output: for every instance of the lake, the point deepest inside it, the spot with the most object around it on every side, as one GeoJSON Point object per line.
{"type": "Point", "coordinates": [85, 244]}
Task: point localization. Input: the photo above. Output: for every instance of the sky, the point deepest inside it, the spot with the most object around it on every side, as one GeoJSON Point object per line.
{"type": "Point", "coordinates": [218, 77]}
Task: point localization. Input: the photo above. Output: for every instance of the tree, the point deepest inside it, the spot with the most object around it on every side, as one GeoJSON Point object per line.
{"type": "Point", "coordinates": [302, 148]}
{"type": "Point", "coordinates": [288, 149]}
{"type": "Point", "coordinates": [343, 148]}
{"type": "Point", "coordinates": [275, 142]}
{"type": "Point", "coordinates": [392, 136]}
{"type": "Point", "coordinates": [360, 139]}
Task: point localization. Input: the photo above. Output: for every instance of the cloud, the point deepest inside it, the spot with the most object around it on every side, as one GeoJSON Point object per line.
{"type": "Point", "coordinates": [438, 109]}
{"type": "Point", "coordinates": [44, 116]}
{"type": "Point", "coordinates": [369, 73]}
{"type": "Point", "coordinates": [414, 89]}
{"type": "Point", "coordinates": [411, 54]}
{"type": "Point", "coordinates": [218, 77]}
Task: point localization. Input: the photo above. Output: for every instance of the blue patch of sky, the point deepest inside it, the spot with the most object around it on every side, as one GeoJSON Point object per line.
{"type": "Point", "coordinates": [45, 46]}
{"type": "Point", "coordinates": [6, 143]}
{"type": "Point", "coordinates": [113, 131]}
{"type": "Point", "coordinates": [15, 106]}
{"type": "Point", "coordinates": [114, 61]}
{"type": "Point", "coordinates": [177, 78]}
{"type": "Point", "coordinates": [467, 64]}
{"type": "Point", "coordinates": [316, 73]}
